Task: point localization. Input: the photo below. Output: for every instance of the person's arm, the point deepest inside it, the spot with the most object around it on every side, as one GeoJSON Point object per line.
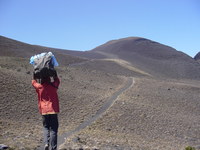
{"type": "Point", "coordinates": [34, 82]}
{"type": "Point", "coordinates": [56, 79]}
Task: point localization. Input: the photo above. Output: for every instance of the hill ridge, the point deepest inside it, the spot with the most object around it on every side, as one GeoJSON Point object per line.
{"type": "Point", "coordinates": [152, 57]}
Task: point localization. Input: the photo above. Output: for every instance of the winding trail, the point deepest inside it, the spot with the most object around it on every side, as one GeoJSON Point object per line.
{"type": "Point", "coordinates": [108, 103]}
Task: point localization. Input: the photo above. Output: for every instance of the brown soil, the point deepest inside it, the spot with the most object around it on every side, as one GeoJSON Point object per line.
{"type": "Point", "coordinates": [153, 114]}
{"type": "Point", "coordinates": [81, 94]}
{"type": "Point", "coordinates": [159, 112]}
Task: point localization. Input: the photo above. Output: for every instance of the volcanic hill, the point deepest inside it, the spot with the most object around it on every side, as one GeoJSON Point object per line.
{"type": "Point", "coordinates": [197, 57]}
{"type": "Point", "coordinates": [152, 57]}
{"type": "Point", "coordinates": [145, 94]}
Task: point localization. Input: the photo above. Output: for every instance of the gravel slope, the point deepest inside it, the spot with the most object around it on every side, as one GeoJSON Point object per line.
{"type": "Point", "coordinates": [153, 115]}
{"type": "Point", "coordinates": [81, 93]}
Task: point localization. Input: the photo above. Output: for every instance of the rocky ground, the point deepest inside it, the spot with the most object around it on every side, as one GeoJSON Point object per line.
{"type": "Point", "coordinates": [152, 115]}
{"type": "Point", "coordinates": [159, 112]}
{"type": "Point", "coordinates": [81, 93]}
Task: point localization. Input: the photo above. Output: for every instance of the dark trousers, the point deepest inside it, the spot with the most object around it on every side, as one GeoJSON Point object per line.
{"type": "Point", "coordinates": [50, 124]}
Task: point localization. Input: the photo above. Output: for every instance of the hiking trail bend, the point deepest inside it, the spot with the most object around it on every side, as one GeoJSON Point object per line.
{"type": "Point", "coordinates": [108, 103]}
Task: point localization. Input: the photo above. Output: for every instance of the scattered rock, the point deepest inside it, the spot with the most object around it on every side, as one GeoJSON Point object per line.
{"type": "Point", "coordinates": [19, 69]}
{"type": "Point", "coordinates": [28, 72]}
{"type": "Point", "coordinates": [108, 129]}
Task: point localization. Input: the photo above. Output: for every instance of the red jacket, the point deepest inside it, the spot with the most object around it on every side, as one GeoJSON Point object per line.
{"type": "Point", "coordinates": [48, 102]}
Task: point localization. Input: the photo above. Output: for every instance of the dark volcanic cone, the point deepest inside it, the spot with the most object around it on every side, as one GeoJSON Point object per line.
{"type": "Point", "coordinates": [197, 57]}
{"type": "Point", "coordinates": [152, 57]}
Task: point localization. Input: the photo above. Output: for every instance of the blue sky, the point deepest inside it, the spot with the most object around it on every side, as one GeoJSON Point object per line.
{"type": "Point", "coordinates": [86, 24]}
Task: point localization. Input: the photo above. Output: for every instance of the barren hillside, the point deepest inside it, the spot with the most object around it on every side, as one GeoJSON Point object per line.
{"type": "Point", "coordinates": [13, 48]}
{"type": "Point", "coordinates": [159, 111]}
{"type": "Point", "coordinates": [197, 57]}
{"type": "Point", "coordinates": [152, 57]}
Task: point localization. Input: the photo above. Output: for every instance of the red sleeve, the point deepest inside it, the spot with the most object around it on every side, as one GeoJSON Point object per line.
{"type": "Point", "coordinates": [35, 84]}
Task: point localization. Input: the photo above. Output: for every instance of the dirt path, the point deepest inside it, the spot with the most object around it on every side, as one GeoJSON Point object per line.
{"type": "Point", "coordinates": [99, 113]}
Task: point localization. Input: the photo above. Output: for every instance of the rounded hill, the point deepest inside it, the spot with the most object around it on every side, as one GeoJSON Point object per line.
{"type": "Point", "coordinates": [152, 57]}
{"type": "Point", "coordinates": [197, 56]}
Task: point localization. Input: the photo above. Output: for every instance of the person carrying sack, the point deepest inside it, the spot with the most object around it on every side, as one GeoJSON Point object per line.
{"type": "Point", "coordinates": [46, 86]}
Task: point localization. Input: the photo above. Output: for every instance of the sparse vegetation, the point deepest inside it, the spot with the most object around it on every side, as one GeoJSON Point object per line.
{"type": "Point", "coordinates": [190, 148]}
